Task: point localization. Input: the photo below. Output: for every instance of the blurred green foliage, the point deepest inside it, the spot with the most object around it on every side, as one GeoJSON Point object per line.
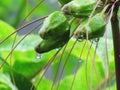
{"type": "Point", "coordinates": [14, 11]}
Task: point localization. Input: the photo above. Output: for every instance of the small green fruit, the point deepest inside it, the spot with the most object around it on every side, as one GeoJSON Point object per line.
{"type": "Point", "coordinates": [54, 26]}
{"type": "Point", "coordinates": [96, 28]}
{"type": "Point", "coordinates": [79, 8]}
{"type": "Point", "coordinates": [50, 44]}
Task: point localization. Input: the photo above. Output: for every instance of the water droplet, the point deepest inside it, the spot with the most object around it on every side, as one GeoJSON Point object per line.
{"type": "Point", "coordinates": [79, 61]}
{"type": "Point", "coordinates": [91, 40]}
{"type": "Point", "coordinates": [57, 49]}
{"type": "Point", "coordinates": [80, 40]}
{"type": "Point", "coordinates": [96, 39]}
{"type": "Point", "coordinates": [38, 55]}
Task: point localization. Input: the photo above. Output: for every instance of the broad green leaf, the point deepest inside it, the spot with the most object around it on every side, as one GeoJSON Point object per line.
{"type": "Point", "coordinates": [95, 75]}
{"type": "Point", "coordinates": [6, 83]}
{"type": "Point", "coordinates": [5, 30]}
{"type": "Point", "coordinates": [73, 59]}
{"type": "Point", "coordinates": [45, 84]}
{"type": "Point", "coordinates": [21, 82]}
{"type": "Point", "coordinates": [24, 57]}
{"type": "Point", "coordinates": [28, 64]}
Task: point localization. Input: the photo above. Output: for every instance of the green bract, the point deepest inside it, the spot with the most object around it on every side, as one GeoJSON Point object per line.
{"type": "Point", "coordinates": [47, 45]}
{"type": "Point", "coordinates": [54, 26]}
{"type": "Point", "coordinates": [79, 8]}
{"type": "Point", "coordinates": [63, 2]}
{"type": "Point", "coordinates": [96, 28]}
{"type": "Point", "coordinates": [54, 32]}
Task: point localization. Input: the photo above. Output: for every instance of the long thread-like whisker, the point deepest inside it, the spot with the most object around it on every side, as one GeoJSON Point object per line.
{"type": "Point", "coordinates": [47, 66]}
{"type": "Point", "coordinates": [93, 67]}
{"type": "Point", "coordinates": [87, 85]}
{"type": "Point", "coordinates": [17, 30]}
{"type": "Point", "coordinates": [65, 64]}
{"type": "Point", "coordinates": [58, 67]}
{"type": "Point", "coordinates": [33, 9]}
{"type": "Point", "coordinates": [77, 66]}
{"type": "Point", "coordinates": [63, 51]}
{"type": "Point", "coordinates": [106, 32]}
{"type": "Point", "coordinates": [90, 18]}
{"type": "Point", "coordinates": [11, 61]}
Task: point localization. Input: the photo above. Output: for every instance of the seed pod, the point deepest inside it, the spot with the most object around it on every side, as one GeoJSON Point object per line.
{"type": "Point", "coordinates": [63, 2]}
{"type": "Point", "coordinates": [50, 44]}
{"type": "Point", "coordinates": [79, 8]}
{"type": "Point", "coordinates": [54, 26]}
{"type": "Point", "coordinates": [96, 28]}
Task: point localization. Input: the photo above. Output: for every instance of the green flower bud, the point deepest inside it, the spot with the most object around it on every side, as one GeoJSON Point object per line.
{"type": "Point", "coordinates": [50, 44]}
{"type": "Point", "coordinates": [54, 26]}
{"type": "Point", "coordinates": [79, 8]}
{"type": "Point", "coordinates": [96, 28]}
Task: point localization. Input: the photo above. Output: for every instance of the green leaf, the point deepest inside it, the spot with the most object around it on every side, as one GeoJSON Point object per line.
{"type": "Point", "coordinates": [21, 82]}
{"type": "Point", "coordinates": [28, 64]}
{"type": "Point", "coordinates": [96, 76]}
{"type": "Point", "coordinates": [73, 59]}
{"type": "Point", "coordinates": [6, 83]}
{"type": "Point", "coordinates": [45, 84]}
{"type": "Point", "coordinates": [5, 30]}
{"type": "Point", "coordinates": [25, 56]}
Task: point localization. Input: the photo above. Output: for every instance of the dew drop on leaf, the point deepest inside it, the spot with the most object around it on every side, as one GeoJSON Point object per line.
{"type": "Point", "coordinates": [96, 39]}
{"type": "Point", "coordinates": [80, 60]}
{"type": "Point", "coordinates": [38, 56]}
{"type": "Point", "coordinates": [57, 49]}
{"type": "Point", "coordinates": [80, 40]}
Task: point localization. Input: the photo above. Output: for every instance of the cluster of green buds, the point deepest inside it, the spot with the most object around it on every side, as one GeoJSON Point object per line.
{"type": "Point", "coordinates": [55, 31]}
{"type": "Point", "coordinates": [93, 27]}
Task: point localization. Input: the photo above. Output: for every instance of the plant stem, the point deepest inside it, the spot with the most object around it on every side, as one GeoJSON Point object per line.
{"type": "Point", "coordinates": [116, 42]}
